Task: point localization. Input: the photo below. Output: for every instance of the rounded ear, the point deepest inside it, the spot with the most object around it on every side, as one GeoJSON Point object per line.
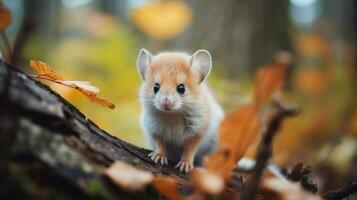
{"type": "Point", "coordinates": [143, 61]}
{"type": "Point", "coordinates": [202, 62]}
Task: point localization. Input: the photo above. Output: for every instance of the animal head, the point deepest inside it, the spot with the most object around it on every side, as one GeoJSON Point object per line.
{"type": "Point", "coordinates": [172, 80]}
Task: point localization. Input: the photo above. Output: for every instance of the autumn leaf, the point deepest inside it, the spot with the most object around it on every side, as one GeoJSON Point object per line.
{"type": "Point", "coordinates": [90, 91]}
{"type": "Point", "coordinates": [167, 186]}
{"type": "Point", "coordinates": [96, 99]}
{"type": "Point", "coordinates": [5, 17]}
{"type": "Point", "coordinates": [44, 70]}
{"type": "Point", "coordinates": [311, 81]}
{"type": "Point", "coordinates": [237, 132]}
{"type": "Point", "coordinates": [127, 176]}
{"type": "Point", "coordinates": [239, 128]}
{"type": "Point", "coordinates": [270, 79]}
{"type": "Point", "coordinates": [162, 20]}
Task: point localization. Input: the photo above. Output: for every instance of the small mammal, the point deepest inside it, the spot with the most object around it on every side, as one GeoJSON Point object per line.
{"type": "Point", "coordinates": [180, 116]}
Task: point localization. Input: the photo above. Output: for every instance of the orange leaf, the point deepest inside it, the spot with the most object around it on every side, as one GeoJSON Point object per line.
{"type": "Point", "coordinates": [237, 132]}
{"type": "Point", "coordinates": [127, 176]}
{"type": "Point", "coordinates": [90, 91]}
{"type": "Point", "coordinates": [96, 99]}
{"type": "Point", "coordinates": [312, 81]}
{"type": "Point", "coordinates": [162, 20]}
{"type": "Point", "coordinates": [167, 186]}
{"type": "Point", "coordinates": [44, 70]}
{"type": "Point", "coordinates": [269, 80]}
{"type": "Point", "coordinates": [5, 17]}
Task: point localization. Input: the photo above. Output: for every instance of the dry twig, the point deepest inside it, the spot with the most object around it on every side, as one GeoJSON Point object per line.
{"type": "Point", "coordinates": [341, 193]}
{"type": "Point", "coordinates": [264, 151]}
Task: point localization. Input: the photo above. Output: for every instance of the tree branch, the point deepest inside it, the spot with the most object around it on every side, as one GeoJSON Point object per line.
{"type": "Point", "coordinates": [341, 193]}
{"type": "Point", "coordinates": [264, 150]}
{"type": "Point", "coordinates": [43, 134]}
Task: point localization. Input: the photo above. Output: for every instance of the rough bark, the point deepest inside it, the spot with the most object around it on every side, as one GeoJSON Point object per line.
{"type": "Point", "coordinates": [49, 148]}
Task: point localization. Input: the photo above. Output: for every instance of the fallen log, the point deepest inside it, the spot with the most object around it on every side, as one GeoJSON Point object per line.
{"type": "Point", "coordinates": [49, 148]}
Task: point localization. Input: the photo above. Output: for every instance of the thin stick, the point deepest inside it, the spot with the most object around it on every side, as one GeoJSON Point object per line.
{"type": "Point", "coordinates": [89, 94]}
{"type": "Point", "coordinates": [341, 193]}
{"type": "Point", "coordinates": [265, 146]}
{"type": "Point", "coordinates": [56, 81]}
{"type": "Point", "coordinates": [27, 27]}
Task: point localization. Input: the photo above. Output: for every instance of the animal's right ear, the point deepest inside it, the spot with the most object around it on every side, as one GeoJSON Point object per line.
{"type": "Point", "coordinates": [202, 62]}
{"type": "Point", "coordinates": [143, 61]}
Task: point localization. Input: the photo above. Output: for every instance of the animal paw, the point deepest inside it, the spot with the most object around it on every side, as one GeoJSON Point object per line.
{"type": "Point", "coordinates": [185, 166]}
{"type": "Point", "coordinates": [158, 158]}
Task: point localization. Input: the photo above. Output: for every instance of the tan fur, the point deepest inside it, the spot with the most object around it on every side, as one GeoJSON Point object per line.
{"type": "Point", "coordinates": [160, 145]}
{"type": "Point", "coordinates": [172, 66]}
{"type": "Point", "coordinates": [191, 148]}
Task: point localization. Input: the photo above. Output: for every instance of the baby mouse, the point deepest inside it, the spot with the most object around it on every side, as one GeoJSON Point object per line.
{"type": "Point", "coordinates": [180, 117]}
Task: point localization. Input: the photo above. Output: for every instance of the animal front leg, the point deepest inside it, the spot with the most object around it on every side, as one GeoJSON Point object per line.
{"type": "Point", "coordinates": [159, 154]}
{"type": "Point", "coordinates": [188, 154]}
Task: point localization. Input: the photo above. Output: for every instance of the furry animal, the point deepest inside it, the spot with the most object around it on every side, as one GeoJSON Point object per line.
{"type": "Point", "coordinates": [180, 117]}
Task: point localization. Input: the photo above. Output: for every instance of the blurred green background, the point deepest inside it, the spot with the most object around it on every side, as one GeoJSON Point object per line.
{"type": "Point", "coordinates": [98, 41]}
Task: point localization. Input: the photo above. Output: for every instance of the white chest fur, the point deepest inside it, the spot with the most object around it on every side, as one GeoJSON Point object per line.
{"type": "Point", "coordinates": [174, 128]}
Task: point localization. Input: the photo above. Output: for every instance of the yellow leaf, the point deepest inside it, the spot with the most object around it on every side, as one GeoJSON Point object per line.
{"type": "Point", "coordinates": [44, 70]}
{"type": "Point", "coordinates": [98, 100]}
{"type": "Point", "coordinates": [162, 20]}
{"type": "Point", "coordinates": [127, 176]}
{"type": "Point", "coordinates": [90, 91]}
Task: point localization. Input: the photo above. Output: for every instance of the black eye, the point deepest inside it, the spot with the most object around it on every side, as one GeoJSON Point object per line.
{"type": "Point", "coordinates": [156, 87]}
{"type": "Point", "coordinates": [181, 88]}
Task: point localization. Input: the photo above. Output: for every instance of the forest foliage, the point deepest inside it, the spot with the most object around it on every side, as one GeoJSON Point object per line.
{"type": "Point", "coordinates": [321, 84]}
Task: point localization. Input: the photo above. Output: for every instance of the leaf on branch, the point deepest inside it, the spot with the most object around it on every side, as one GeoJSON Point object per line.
{"type": "Point", "coordinates": [82, 85]}
{"type": "Point", "coordinates": [282, 189]}
{"type": "Point", "coordinates": [127, 176]}
{"type": "Point", "coordinates": [89, 91]}
{"type": "Point", "coordinates": [5, 17]}
{"type": "Point", "coordinates": [238, 131]}
{"type": "Point", "coordinates": [268, 81]}
{"type": "Point", "coordinates": [45, 72]}
{"type": "Point", "coordinates": [167, 186]}
{"type": "Point", "coordinates": [96, 99]}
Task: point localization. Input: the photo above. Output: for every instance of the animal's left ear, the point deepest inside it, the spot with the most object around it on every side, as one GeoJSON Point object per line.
{"type": "Point", "coordinates": [202, 62]}
{"type": "Point", "coordinates": [143, 61]}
